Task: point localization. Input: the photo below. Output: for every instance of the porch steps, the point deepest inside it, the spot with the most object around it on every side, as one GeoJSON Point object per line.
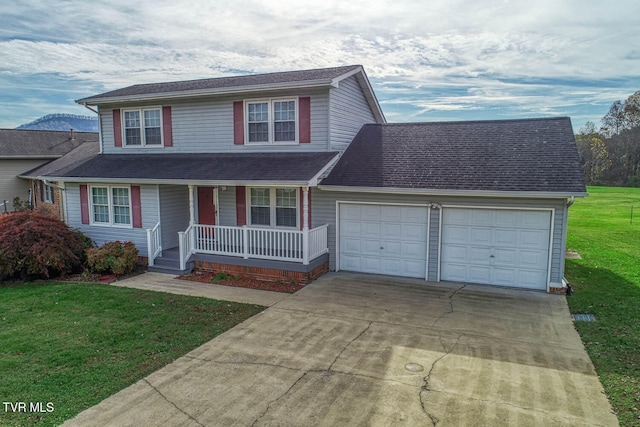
{"type": "Point", "coordinates": [169, 262]}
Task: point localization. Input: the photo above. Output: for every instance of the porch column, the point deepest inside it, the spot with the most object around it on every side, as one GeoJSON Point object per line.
{"type": "Point", "coordinates": [192, 207]}
{"type": "Point", "coordinates": [305, 225]}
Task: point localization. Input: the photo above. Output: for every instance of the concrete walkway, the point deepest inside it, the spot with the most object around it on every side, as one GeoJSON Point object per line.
{"type": "Point", "coordinates": [360, 350]}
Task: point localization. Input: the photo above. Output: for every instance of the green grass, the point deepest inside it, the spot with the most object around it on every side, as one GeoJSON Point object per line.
{"type": "Point", "coordinates": [606, 282]}
{"type": "Point", "coordinates": [75, 344]}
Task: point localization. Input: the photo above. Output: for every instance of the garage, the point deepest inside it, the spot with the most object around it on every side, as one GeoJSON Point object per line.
{"type": "Point", "coordinates": [383, 239]}
{"type": "Point", "coordinates": [507, 247]}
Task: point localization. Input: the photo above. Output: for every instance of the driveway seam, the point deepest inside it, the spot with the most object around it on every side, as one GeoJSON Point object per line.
{"type": "Point", "coordinates": [172, 403]}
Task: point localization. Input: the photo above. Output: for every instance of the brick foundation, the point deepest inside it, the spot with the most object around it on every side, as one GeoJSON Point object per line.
{"type": "Point", "coordinates": [143, 260]}
{"type": "Point", "coordinates": [260, 273]}
{"type": "Point", "coordinates": [558, 291]}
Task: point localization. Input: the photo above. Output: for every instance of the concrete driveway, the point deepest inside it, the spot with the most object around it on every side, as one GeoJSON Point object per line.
{"type": "Point", "coordinates": [361, 350]}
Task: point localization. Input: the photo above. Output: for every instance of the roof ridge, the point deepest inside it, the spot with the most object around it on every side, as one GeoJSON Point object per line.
{"type": "Point", "coordinates": [528, 119]}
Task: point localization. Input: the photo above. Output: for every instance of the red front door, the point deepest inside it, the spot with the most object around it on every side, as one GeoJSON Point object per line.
{"type": "Point", "coordinates": [206, 206]}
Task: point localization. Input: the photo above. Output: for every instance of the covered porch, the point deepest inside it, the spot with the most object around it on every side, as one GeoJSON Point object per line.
{"type": "Point", "coordinates": [221, 230]}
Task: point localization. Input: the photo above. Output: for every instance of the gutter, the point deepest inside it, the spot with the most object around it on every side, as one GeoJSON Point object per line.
{"type": "Point", "coordinates": [220, 183]}
{"type": "Point", "coordinates": [49, 183]}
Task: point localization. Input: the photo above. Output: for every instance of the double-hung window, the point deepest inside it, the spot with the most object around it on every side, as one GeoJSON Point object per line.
{"type": "Point", "coordinates": [274, 207]}
{"type": "Point", "coordinates": [143, 127]}
{"type": "Point", "coordinates": [111, 205]}
{"type": "Point", "coordinates": [48, 193]}
{"type": "Point", "coordinates": [272, 121]}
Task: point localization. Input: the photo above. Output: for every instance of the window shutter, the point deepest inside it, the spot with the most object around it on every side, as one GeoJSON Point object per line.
{"type": "Point", "coordinates": [238, 123]}
{"type": "Point", "coordinates": [136, 206]}
{"type": "Point", "coordinates": [241, 206]}
{"type": "Point", "coordinates": [167, 130]}
{"type": "Point", "coordinates": [117, 128]}
{"type": "Point", "coordinates": [304, 113]}
{"type": "Point", "coordinates": [84, 204]}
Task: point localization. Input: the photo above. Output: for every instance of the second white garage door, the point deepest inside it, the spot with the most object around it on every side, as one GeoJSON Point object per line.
{"type": "Point", "coordinates": [383, 239]}
{"type": "Point", "coordinates": [507, 247]}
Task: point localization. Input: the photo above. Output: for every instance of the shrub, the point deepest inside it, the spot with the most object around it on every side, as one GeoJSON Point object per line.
{"type": "Point", "coordinates": [33, 245]}
{"type": "Point", "coordinates": [113, 257]}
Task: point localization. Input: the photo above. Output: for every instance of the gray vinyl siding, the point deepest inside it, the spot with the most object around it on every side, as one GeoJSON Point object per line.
{"type": "Point", "coordinates": [227, 206]}
{"type": "Point", "coordinates": [10, 185]}
{"type": "Point", "coordinates": [174, 213]}
{"type": "Point", "coordinates": [324, 212]}
{"type": "Point", "coordinates": [206, 126]}
{"type": "Point", "coordinates": [102, 234]}
{"type": "Point", "coordinates": [348, 111]}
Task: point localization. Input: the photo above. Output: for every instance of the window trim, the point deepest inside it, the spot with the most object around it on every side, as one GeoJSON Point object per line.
{"type": "Point", "coordinates": [271, 120]}
{"type": "Point", "coordinates": [110, 206]}
{"type": "Point", "coordinates": [272, 208]}
{"type": "Point", "coordinates": [143, 136]}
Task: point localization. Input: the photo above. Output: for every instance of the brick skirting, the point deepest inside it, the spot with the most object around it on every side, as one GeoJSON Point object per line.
{"type": "Point", "coordinates": [261, 273]}
{"type": "Point", "coordinates": [558, 291]}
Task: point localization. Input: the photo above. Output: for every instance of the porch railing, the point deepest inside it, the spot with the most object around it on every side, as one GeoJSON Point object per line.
{"type": "Point", "coordinates": [153, 243]}
{"type": "Point", "coordinates": [251, 242]}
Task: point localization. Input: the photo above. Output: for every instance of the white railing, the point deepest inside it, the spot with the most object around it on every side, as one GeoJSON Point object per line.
{"type": "Point", "coordinates": [186, 245]}
{"type": "Point", "coordinates": [250, 242]}
{"type": "Point", "coordinates": [154, 246]}
{"type": "Point", "coordinates": [318, 241]}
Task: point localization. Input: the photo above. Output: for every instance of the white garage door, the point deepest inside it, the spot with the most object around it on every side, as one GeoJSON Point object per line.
{"type": "Point", "coordinates": [383, 239]}
{"type": "Point", "coordinates": [496, 246]}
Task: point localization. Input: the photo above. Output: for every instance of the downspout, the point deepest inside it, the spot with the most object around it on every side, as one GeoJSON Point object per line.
{"type": "Point", "coordinates": [570, 201]}
{"type": "Point", "coordinates": [84, 104]}
{"type": "Point", "coordinates": [49, 183]}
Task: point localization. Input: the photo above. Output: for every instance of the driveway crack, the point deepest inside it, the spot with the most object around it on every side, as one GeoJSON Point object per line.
{"type": "Point", "coordinates": [451, 309]}
{"type": "Point", "coordinates": [172, 403]}
{"type": "Point", "coordinates": [348, 344]}
{"type": "Point", "coordinates": [425, 388]}
{"type": "Point", "coordinates": [278, 398]}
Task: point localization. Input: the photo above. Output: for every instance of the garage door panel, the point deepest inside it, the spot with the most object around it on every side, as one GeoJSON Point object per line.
{"type": "Point", "coordinates": [496, 246]}
{"type": "Point", "coordinates": [386, 239]}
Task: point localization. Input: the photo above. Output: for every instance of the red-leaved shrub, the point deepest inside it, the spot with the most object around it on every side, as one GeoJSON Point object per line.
{"type": "Point", "coordinates": [113, 257]}
{"type": "Point", "coordinates": [34, 245]}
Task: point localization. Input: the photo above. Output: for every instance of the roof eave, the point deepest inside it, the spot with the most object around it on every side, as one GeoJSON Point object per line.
{"type": "Point", "coordinates": [207, 92]}
{"type": "Point", "coordinates": [445, 192]}
{"type": "Point", "coordinates": [152, 181]}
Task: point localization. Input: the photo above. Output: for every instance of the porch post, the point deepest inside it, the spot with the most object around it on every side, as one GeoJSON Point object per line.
{"type": "Point", "coordinates": [192, 208]}
{"type": "Point", "coordinates": [305, 225]}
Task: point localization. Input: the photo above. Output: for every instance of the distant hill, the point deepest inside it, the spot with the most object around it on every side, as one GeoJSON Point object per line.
{"type": "Point", "coordinates": [63, 122]}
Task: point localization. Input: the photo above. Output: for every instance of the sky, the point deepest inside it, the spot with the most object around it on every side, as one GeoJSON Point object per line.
{"type": "Point", "coordinates": [427, 60]}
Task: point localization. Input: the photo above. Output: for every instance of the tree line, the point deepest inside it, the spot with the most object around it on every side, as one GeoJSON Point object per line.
{"type": "Point", "coordinates": [610, 155]}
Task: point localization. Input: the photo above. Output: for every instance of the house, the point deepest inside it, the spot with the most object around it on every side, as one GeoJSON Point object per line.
{"type": "Point", "coordinates": [288, 175]}
{"type": "Point", "coordinates": [22, 150]}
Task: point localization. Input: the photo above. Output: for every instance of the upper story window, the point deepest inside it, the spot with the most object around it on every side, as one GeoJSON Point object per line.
{"type": "Point", "coordinates": [143, 127]}
{"type": "Point", "coordinates": [272, 121]}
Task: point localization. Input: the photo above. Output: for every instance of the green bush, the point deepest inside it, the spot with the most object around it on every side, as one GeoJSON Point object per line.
{"type": "Point", "coordinates": [113, 257]}
{"type": "Point", "coordinates": [37, 246]}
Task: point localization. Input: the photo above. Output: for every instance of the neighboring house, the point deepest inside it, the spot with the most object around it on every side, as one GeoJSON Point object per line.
{"type": "Point", "coordinates": [290, 174]}
{"type": "Point", "coordinates": [22, 150]}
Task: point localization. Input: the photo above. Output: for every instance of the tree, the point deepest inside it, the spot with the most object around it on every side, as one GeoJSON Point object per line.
{"type": "Point", "coordinates": [593, 152]}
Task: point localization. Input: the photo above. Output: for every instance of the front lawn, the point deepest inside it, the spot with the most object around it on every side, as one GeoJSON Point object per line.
{"type": "Point", "coordinates": [606, 282]}
{"type": "Point", "coordinates": [67, 346]}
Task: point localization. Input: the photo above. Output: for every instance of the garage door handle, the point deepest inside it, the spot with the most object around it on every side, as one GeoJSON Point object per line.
{"type": "Point", "coordinates": [381, 247]}
{"type": "Point", "coordinates": [492, 256]}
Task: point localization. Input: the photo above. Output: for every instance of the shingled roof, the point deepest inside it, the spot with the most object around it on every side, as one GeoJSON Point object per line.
{"type": "Point", "coordinates": [293, 168]}
{"type": "Point", "coordinates": [72, 159]}
{"type": "Point", "coordinates": [41, 144]}
{"type": "Point", "coordinates": [532, 155]}
{"type": "Point", "coordinates": [220, 83]}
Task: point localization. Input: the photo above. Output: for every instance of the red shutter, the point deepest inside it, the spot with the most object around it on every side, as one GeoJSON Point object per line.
{"type": "Point", "coordinates": [238, 123]}
{"type": "Point", "coordinates": [136, 207]}
{"type": "Point", "coordinates": [166, 127]}
{"type": "Point", "coordinates": [304, 113]}
{"type": "Point", "coordinates": [302, 208]}
{"type": "Point", "coordinates": [117, 128]}
{"type": "Point", "coordinates": [84, 204]}
{"type": "Point", "coordinates": [241, 206]}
